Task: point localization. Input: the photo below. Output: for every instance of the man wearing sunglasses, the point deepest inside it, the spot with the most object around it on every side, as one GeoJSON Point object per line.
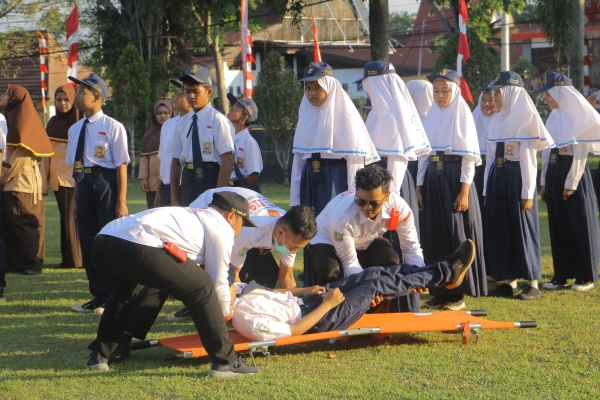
{"type": "Point", "coordinates": [351, 227]}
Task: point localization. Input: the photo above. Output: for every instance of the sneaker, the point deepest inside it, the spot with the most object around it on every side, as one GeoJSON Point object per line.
{"type": "Point", "coordinates": [504, 290]}
{"type": "Point", "coordinates": [436, 303]}
{"type": "Point", "coordinates": [530, 293]}
{"type": "Point", "coordinates": [555, 284]}
{"type": "Point", "coordinates": [237, 368]}
{"type": "Point", "coordinates": [459, 262]}
{"type": "Point", "coordinates": [122, 352]}
{"type": "Point", "coordinates": [97, 362]}
{"type": "Point", "coordinates": [455, 305]}
{"type": "Point", "coordinates": [85, 308]}
{"type": "Point", "coordinates": [99, 309]}
{"type": "Point", "coordinates": [582, 286]}
{"type": "Point", "coordinates": [180, 315]}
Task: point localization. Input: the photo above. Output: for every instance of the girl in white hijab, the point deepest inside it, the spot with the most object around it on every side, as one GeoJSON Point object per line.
{"type": "Point", "coordinates": [421, 93]}
{"type": "Point", "coordinates": [567, 186]}
{"type": "Point", "coordinates": [512, 230]}
{"type": "Point", "coordinates": [331, 143]}
{"type": "Point", "coordinates": [450, 210]}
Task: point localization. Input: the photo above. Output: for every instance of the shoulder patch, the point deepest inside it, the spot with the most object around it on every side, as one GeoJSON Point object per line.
{"type": "Point", "coordinates": [243, 252]}
{"type": "Point", "coordinates": [263, 328]}
{"type": "Point", "coordinates": [273, 213]}
{"type": "Point", "coordinates": [338, 236]}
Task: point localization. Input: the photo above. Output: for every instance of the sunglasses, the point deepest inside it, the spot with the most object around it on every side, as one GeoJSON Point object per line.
{"type": "Point", "coordinates": [373, 203]}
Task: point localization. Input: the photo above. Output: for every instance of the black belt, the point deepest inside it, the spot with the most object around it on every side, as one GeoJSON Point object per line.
{"type": "Point", "coordinates": [234, 182]}
{"type": "Point", "coordinates": [483, 157]}
{"type": "Point", "coordinates": [328, 161]}
{"type": "Point", "coordinates": [447, 158]}
{"type": "Point", "coordinates": [207, 165]}
{"type": "Point", "coordinates": [94, 170]}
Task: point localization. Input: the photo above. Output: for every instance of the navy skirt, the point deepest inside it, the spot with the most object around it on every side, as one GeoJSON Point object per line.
{"type": "Point", "coordinates": [413, 168]}
{"type": "Point", "coordinates": [512, 236]}
{"type": "Point", "coordinates": [478, 183]}
{"type": "Point", "coordinates": [443, 229]}
{"type": "Point", "coordinates": [574, 231]}
{"type": "Point", "coordinates": [597, 184]}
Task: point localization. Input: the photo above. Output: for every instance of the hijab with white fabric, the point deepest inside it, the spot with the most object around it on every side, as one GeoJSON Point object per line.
{"type": "Point", "coordinates": [421, 93]}
{"type": "Point", "coordinates": [519, 120]}
{"type": "Point", "coordinates": [482, 123]}
{"type": "Point", "coordinates": [575, 120]}
{"type": "Point", "coordinates": [394, 123]}
{"type": "Point", "coordinates": [452, 127]}
{"type": "Point", "coordinates": [336, 127]}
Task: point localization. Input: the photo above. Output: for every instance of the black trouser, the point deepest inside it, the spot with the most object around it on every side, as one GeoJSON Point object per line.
{"type": "Point", "coordinates": [260, 268]}
{"type": "Point", "coordinates": [165, 196]}
{"type": "Point", "coordinates": [128, 266]}
{"type": "Point", "coordinates": [191, 189]}
{"type": "Point", "coordinates": [70, 249]}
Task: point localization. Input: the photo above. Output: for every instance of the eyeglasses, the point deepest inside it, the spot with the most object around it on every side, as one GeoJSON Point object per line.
{"type": "Point", "coordinates": [373, 203]}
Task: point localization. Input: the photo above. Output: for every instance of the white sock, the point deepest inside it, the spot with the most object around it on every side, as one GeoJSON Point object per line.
{"type": "Point", "coordinates": [512, 283]}
{"type": "Point", "coordinates": [533, 283]}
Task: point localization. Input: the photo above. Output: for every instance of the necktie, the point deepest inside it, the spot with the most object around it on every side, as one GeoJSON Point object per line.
{"type": "Point", "coordinates": [79, 153]}
{"type": "Point", "coordinates": [196, 151]}
{"type": "Point", "coordinates": [500, 156]}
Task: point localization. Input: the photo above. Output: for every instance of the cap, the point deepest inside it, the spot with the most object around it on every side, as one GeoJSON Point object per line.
{"type": "Point", "coordinates": [447, 74]}
{"type": "Point", "coordinates": [95, 83]}
{"type": "Point", "coordinates": [176, 83]}
{"type": "Point", "coordinates": [231, 201]}
{"type": "Point", "coordinates": [248, 104]}
{"type": "Point", "coordinates": [486, 86]}
{"type": "Point", "coordinates": [316, 70]}
{"type": "Point", "coordinates": [554, 79]}
{"type": "Point", "coordinates": [198, 74]}
{"type": "Point", "coordinates": [375, 68]}
{"type": "Point", "coordinates": [368, 105]}
{"type": "Point", "coordinates": [506, 78]}
{"type": "Point", "coordinates": [596, 85]}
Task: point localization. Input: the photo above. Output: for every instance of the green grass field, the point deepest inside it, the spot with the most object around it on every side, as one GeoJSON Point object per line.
{"type": "Point", "coordinates": [43, 348]}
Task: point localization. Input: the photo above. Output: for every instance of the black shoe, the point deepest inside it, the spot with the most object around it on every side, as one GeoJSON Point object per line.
{"type": "Point", "coordinates": [85, 308]}
{"type": "Point", "coordinates": [2, 298]}
{"type": "Point", "coordinates": [180, 315]}
{"type": "Point", "coordinates": [459, 262]}
{"type": "Point", "coordinates": [237, 368]}
{"type": "Point", "coordinates": [504, 290]}
{"type": "Point", "coordinates": [97, 362]}
{"type": "Point", "coordinates": [530, 293]}
{"type": "Point", "coordinates": [32, 272]}
{"type": "Point", "coordinates": [437, 302]}
{"type": "Point", "coordinates": [122, 352]}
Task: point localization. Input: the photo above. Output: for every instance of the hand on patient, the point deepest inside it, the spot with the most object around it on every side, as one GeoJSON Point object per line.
{"type": "Point", "coordinates": [333, 297]}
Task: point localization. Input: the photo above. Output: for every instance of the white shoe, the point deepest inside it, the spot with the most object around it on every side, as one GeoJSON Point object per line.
{"type": "Point", "coordinates": [582, 287]}
{"type": "Point", "coordinates": [455, 306]}
{"type": "Point", "coordinates": [84, 308]}
{"type": "Point", "coordinates": [490, 278]}
{"type": "Point", "coordinates": [100, 309]}
{"type": "Point", "coordinates": [555, 285]}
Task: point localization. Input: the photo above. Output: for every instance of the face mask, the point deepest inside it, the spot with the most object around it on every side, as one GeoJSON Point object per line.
{"type": "Point", "coordinates": [281, 248]}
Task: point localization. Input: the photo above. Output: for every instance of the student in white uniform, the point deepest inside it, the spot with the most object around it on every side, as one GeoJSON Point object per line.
{"type": "Point", "coordinates": [265, 315]}
{"type": "Point", "coordinates": [3, 267]}
{"type": "Point", "coordinates": [161, 248]}
{"type": "Point", "coordinates": [202, 143]}
{"type": "Point", "coordinates": [421, 92]}
{"type": "Point", "coordinates": [247, 159]}
{"type": "Point", "coordinates": [482, 115]}
{"type": "Point", "coordinates": [567, 186]}
{"type": "Point", "coordinates": [180, 104]}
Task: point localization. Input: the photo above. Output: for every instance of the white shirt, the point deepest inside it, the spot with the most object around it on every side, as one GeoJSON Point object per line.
{"type": "Point", "coordinates": [247, 154]}
{"type": "Point", "coordinates": [342, 225]}
{"type": "Point", "coordinates": [166, 133]}
{"type": "Point", "coordinates": [105, 142]}
{"type": "Point", "coordinates": [263, 212]}
{"type": "Point", "coordinates": [214, 131]}
{"type": "Point", "coordinates": [523, 152]}
{"type": "Point", "coordinates": [579, 153]}
{"type": "Point", "coordinates": [203, 234]}
{"type": "Point", "coordinates": [265, 315]}
{"type": "Point", "coordinates": [467, 168]}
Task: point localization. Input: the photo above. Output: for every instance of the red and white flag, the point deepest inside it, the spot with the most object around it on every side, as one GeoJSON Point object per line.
{"type": "Point", "coordinates": [463, 50]}
{"type": "Point", "coordinates": [587, 80]}
{"type": "Point", "coordinates": [72, 24]}
{"type": "Point", "coordinates": [247, 56]}
{"type": "Point", "coordinates": [43, 67]}
{"type": "Point", "coordinates": [317, 51]}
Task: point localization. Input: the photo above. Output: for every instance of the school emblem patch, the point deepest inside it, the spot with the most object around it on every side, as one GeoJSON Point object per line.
{"type": "Point", "coordinates": [444, 72]}
{"type": "Point", "coordinates": [100, 152]}
{"type": "Point", "coordinates": [316, 166]}
{"type": "Point", "coordinates": [195, 69]}
{"type": "Point", "coordinates": [78, 166]}
{"type": "Point", "coordinates": [563, 150]}
{"type": "Point", "coordinates": [553, 158]}
{"type": "Point", "coordinates": [263, 328]}
{"type": "Point", "coordinates": [273, 213]}
{"type": "Point", "coordinates": [510, 150]}
{"type": "Point", "coordinates": [240, 162]}
{"type": "Point", "coordinates": [310, 69]}
{"type": "Point", "coordinates": [338, 236]}
{"type": "Point", "coordinates": [199, 173]}
{"type": "Point", "coordinates": [207, 148]}
{"type": "Point", "coordinates": [243, 252]}
{"type": "Point", "coordinates": [499, 162]}
{"type": "Point", "coordinates": [439, 166]}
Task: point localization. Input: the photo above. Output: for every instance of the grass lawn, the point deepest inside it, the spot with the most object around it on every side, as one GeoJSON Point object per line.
{"type": "Point", "coordinates": [43, 348]}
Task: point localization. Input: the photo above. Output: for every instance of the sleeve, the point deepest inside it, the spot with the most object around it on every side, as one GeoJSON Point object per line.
{"type": "Point", "coordinates": [223, 133]}
{"type": "Point", "coordinates": [397, 166]}
{"type": "Point", "coordinates": [343, 242]}
{"type": "Point", "coordinates": [3, 133]}
{"type": "Point", "coordinates": [423, 164]}
{"type": "Point", "coordinates": [241, 245]}
{"type": "Point", "coordinates": [119, 145]}
{"type": "Point", "coordinates": [162, 147]}
{"type": "Point", "coordinates": [216, 264]}
{"type": "Point", "coordinates": [580, 154]}
{"type": "Point", "coordinates": [19, 159]}
{"type": "Point", "coordinates": [490, 158]}
{"type": "Point", "coordinates": [467, 170]}
{"type": "Point", "coordinates": [353, 164]}
{"type": "Point", "coordinates": [144, 167]}
{"type": "Point", "coordinates": [287, 260]}
{"type": "Point", "coordinates": [545, 160]}
{"type": "Point", "coordinates": [254, 162]}
{"type": "Point", "coordinates": [407, 235]}
{"type": "Point", "coordinates": [297, 166]}
{"type": "Point", "coordinates": [528, 161]}
{"type": "Point", "coordinates": [175, 147]}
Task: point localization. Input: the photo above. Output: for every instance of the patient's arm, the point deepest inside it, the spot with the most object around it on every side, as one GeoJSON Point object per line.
{"type": "Point", "coordinates": [332, 298]}
{"type": "Point", "coordinates": [309, 291]}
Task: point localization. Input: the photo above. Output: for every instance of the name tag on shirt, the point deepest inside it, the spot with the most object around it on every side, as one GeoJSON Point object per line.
{"type": "Point", "coordinates": [207, 148]}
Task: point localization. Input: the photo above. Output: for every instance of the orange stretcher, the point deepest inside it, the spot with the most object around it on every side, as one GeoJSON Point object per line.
{"type": "Point", "coordinates": [464, 322]}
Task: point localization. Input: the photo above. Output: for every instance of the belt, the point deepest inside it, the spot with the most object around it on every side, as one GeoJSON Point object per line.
{"type": "Point", "coordinates": [447, 158]}
{"type": "Point", "coordinates": [328, 161]}
{"type": "Point", "coordinates": [565, 157]}
{"type": "Point", "coordinates": [94, 170]}
{"type": "Point", "coordinates": [207, 165]}
{"type": "Point", "coordinates": [234, 182]}
{"type": "Point", "coordinates": [483, 157]}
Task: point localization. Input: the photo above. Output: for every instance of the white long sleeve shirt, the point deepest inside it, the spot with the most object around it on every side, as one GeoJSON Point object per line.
{"type": "Point", "coordinates": [526, 155]}
{"type": "Point", "coordinates": [579, 153]}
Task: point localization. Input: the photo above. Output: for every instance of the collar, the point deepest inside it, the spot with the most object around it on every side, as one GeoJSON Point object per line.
{"type": "Point", "coordinates": [96, 116]}
{"type": "Point", "coordinates": [205, 111]}
{"type": "Point", "coordinates": [383, 214]}
{"type": "Point", "coordinates": [241, 134]}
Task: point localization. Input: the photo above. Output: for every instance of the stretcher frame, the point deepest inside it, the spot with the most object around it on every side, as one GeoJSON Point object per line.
{"type": "Point", "coordinates": [464, 322]}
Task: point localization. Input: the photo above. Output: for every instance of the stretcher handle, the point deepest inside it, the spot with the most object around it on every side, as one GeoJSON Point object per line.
{"type": "Point", "coordinates": [526, 324]}
{"type": "Point", "coordinates": [173, 357]}
{"type": "Point", "coordinates": [143, 344]}
{"type": "Point", "coordinates": [478, 313]}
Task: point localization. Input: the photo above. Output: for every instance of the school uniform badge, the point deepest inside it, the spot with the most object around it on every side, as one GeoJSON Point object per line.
{"type": "Point", "coordinates": [207, 148]}
{"type": "Point", "coordinates": [240, 162]}
{"type": "Point", "coordinates": [273, 213]}
{"type": "Point", "coordinates": [100, 152]}
{"type": "Point", "coordinates": [338, 236]}
{"type": "Point", "coordinates": [78, 166]}
{"type": "Point", "coordinates": [510, 150]}
{"type": "Point", "coordinates": [199, 173]}
{"type": "Point", "coordinates": [243, 252]}
{"type": "Point", "coordinates": [316, 166]}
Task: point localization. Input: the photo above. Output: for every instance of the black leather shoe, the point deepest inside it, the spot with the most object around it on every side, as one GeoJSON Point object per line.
{"type": "Point", "coordinates": [32, 272]}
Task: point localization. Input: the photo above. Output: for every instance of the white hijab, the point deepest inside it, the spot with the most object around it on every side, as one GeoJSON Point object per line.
{"type": "Point", "coordinates": [452, 128]}
{"type": "Point", "coordinates": [482, 123]}
{"type": "Point", "coordinates": [422, 95]}
{"type": "Point", "coordinates": [394, 123]}
{"type": "Point", "coordinates": [336, 127]}
{"type": "Point", "coordinates": [574, 121]}
{"type": "Point", "coordinates": [519, 120]}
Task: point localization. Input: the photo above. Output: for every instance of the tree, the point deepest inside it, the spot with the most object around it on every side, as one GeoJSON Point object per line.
{"type": "Point", "coordinates": [279, 95]}
{"type": "Point", "coordinates": [401, 23]}
{"type": "Point", "coordinates": [379, 16]}
{"type": "Point", "coordinates": [131, 88]}
{"type": "Point", "coordinates": [556, 18]}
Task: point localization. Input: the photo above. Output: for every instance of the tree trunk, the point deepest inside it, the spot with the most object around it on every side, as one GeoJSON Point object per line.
{"type": "Point", "coordinates": [576, 62]}
{"type": "Point", "coordinates": [282, 152]}
{"type": "Point", "coordinates": [379, 25]}
{"type": "Point", "coordinates": [220, 72]}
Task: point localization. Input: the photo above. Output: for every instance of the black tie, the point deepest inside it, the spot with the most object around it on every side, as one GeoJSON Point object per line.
{"type": "Point", "coordinates": [79, 153]}
{"type": "Point", "coordinates": [500, 156]}
{"type": "Point", "coordinates": [196, 150]}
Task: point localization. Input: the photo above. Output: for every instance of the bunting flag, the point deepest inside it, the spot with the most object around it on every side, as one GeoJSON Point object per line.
{"type": "Point", "coordinates": [247, 56]}
{"type": "Point", "coordinates": [43, 68]}
{"type": "Point", "coordinates": [463, 50]}
{"type": "Point", "coordinates": [72, 24]}
{"type": "Point", "coordinates": [587, 80]}
{"type": "Point", "coordinates": [317, 51]}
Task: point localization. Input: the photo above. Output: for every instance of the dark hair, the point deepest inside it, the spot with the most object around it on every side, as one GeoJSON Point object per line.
{"type": "Point", "coordinates": [373, 176]}
{"type": "Point", "coordinates": [191, 81]}
{"type": "Point", "coordinates": [249, 120]}
{"type": "Point", "coordinates": [301, 221]}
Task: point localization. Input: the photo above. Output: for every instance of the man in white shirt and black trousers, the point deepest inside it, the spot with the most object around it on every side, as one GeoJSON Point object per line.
{"type": "Point", "coordinates": [161, 248]}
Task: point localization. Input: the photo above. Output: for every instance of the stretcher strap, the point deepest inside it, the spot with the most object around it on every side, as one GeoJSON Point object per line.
{"type": "Point", "coordinates": [465, 328]}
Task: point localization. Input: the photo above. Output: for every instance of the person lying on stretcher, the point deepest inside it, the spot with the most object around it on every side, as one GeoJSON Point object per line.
{"type": "Point", "coordinates": [264, 314]}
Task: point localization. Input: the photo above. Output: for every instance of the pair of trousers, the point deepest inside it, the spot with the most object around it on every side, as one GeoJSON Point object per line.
{"type": "Point", "coordinates": [70, 248]}
{"type": "Point", "coordinates": [129, 266]}
{"type": "Point", "coordinates": [191, 188]}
